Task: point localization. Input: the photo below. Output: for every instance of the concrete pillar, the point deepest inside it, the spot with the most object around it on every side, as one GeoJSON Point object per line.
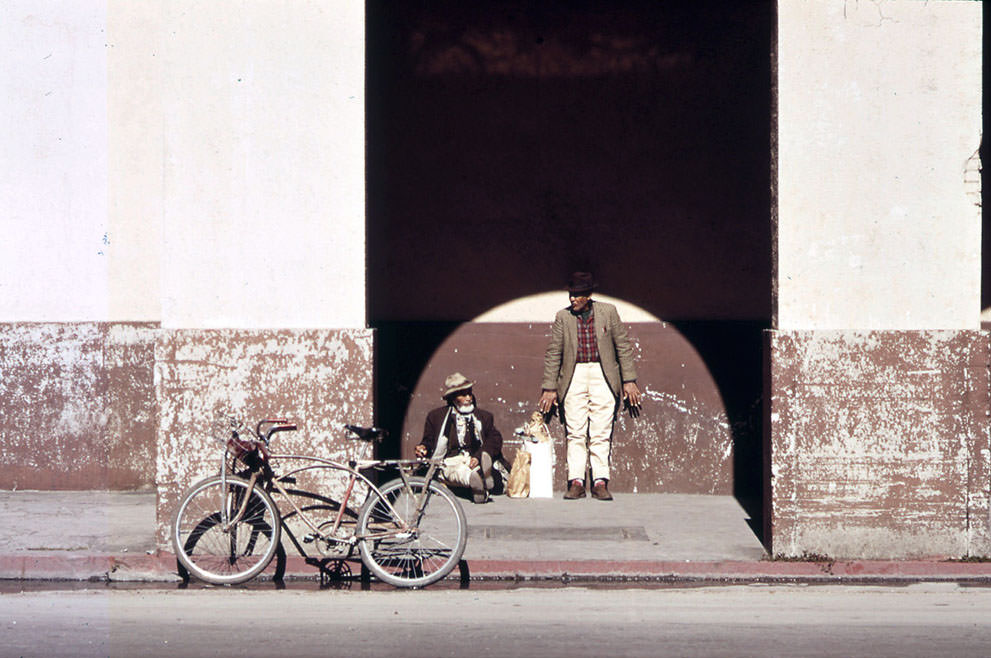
{"type": "Point", "coordinates": [878, 372]}
{"type": "Point", "coordinates": [78, 288]}
{"type": "Point", "coordinates": [185, 229]}
{"type": "Point", "coordinates": [260, 119]}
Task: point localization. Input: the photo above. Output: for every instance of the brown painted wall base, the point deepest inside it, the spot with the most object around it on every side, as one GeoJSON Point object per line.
{"type": "Point", "coordinates": [77, 406]}
{"type": "Point", "coordinates": [318, 379]}
{"type": "Point", "coordinates": [132, 406]}
{"type": "Point", "coordinates": [878, 443]}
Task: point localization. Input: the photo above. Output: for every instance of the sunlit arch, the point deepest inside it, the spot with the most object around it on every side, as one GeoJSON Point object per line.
{"type": "Point", "coordinates": [683, 441]}
{"type": "Point", "coordinates": [541, 307]}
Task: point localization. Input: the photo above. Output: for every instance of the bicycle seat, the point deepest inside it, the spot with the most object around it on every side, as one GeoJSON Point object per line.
{"type": "Point", "coordinates": [367, 433]}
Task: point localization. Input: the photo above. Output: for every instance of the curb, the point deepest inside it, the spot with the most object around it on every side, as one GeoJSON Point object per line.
{"type": "Point", "coordinates": [161, 567]}
{"type": "Point", "coordinates": [147, 567]}
{"type": "Point", "coordinates": [756, 571]}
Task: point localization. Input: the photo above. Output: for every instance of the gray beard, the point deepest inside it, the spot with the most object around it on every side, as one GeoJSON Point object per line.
{"type": "Point", "coordinates": [466, 409]}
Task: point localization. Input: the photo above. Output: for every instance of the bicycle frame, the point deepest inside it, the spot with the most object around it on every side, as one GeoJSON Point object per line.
{"type": "Point", "coordinates": [353, 468]}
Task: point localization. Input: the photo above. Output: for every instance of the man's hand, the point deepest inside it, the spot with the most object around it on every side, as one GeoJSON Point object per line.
{"type": "Point", "coordinates": [631, 393]}
{"type": "Point", "coordinates": [473, 463]}
{"type": "Point", "coordinates": [420, 451]}
{"type": "Point", "coordinates": [547, 401]}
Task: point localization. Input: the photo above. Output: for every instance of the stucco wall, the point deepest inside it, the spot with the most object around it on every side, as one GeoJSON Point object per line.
{"type": "Point", "coordinates": [77, 406]}
{"type": "Point", "coordinates": [53, 159]}
{"type": "Point", "coordinates": [195, 163]}
{"type": "Point", "coordinates": [182, 164]}
{"type": "Point", "coordinates": [261, 114]}
{"type": "Point", "coordinates": [878, 443]}
{"type": "Point", "coordinates": [878, 193]}
{"type": "Point", "coordinates": [877, 389]}
{"type": "Point", "coordinates": [318, 379]}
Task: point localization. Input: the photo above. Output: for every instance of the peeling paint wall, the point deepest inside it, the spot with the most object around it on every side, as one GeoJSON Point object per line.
{"type": "Point", "coordinates": [879, 443]}
{"type": "Point", "coordinates": [318, 379]}
{"type": "Point", "coordinates": [133, 406]}
{"type": "Point", "coordinates": [77, 406]}
{"type": "Point", "coordinates": [682, 442]}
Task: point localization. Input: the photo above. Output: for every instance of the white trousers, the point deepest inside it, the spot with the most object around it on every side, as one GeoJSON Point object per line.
{"type": "Point", "coordinates": [456, 471]}
{"type": "Point", "coordinates": [589, 408]}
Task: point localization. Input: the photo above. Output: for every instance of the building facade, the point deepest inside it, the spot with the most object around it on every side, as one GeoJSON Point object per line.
{"type": "Point", "coordinates": [316, 211]}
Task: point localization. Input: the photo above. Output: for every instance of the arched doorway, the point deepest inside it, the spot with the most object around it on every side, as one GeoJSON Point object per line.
{"type": "Point", "coordinates": [510, 143]}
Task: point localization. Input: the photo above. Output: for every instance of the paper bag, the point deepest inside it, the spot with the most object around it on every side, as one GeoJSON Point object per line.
{"type": "Point", "coordinates": [519, 477]}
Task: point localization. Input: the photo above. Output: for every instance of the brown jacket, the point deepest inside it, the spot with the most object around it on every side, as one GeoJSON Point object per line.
{"type": "Point", "coordinates": [490, 441]}
{"type": "Point", "coordinates": [615, 350]}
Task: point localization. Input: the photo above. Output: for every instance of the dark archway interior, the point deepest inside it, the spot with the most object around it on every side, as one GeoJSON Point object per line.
{"type": "Point", "coordinates": [510, 143]}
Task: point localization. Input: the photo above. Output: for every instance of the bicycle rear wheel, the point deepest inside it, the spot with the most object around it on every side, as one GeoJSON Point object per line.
{"type": "Point", "coordinates": [431, 548]}
{"type": "Point", "coordinates": [216, 555]}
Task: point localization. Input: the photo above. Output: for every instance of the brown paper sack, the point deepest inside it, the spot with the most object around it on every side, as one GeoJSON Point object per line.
{"type": "Point", "coordinates": [519, 477]}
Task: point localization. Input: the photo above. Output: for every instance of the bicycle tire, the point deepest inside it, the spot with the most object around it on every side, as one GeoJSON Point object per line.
{"type": "Point", "coordinates": [424, 556]}
{"type": "Point", "coordinates": [218, 557]}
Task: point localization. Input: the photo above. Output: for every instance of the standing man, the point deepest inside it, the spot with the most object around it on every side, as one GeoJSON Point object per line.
{"type": "Point", "coordinates": [588, 366]}
{"type": "Point", "coordinates": [464, 436]}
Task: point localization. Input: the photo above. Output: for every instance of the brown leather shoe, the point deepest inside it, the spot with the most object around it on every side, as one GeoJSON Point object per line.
{"type": "Point", "coordinates": [575, 490]}
{"type": "Point", "coordinates": [600, 491]}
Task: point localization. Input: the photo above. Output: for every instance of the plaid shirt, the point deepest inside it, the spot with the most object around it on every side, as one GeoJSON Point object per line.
{"type": "Point", "coordinates": [588, 348]}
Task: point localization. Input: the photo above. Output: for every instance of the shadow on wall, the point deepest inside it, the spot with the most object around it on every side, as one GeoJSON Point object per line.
{"type": "Point", "coordinates": [510, 143]}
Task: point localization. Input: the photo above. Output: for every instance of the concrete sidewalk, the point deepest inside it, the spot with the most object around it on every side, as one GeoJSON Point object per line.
{"type": "Point", "coordinates": [111, 536]}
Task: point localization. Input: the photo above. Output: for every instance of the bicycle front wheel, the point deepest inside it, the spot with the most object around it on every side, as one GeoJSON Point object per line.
{"type": "Point", "coordinates": [219, 555]}
{"type": "Point", "coordinates": [407, 549]}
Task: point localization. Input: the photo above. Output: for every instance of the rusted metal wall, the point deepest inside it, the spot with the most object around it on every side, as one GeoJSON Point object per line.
{"type": "Point", "coordinates": [682, 442]}
{"type": "Point", "coordinates": [878, 443]}
{"type": "Point", "coordinates": [77, 405]}
{"type": "Point", "coordinates": [318, 379]}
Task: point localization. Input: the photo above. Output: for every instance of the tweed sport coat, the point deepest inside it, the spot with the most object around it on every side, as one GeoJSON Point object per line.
{"type": "Point", "coordinates": [615, 350]}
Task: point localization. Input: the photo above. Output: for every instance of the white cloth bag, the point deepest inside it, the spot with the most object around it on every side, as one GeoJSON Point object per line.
{"type": "Point", "coordinates": [541, 468]}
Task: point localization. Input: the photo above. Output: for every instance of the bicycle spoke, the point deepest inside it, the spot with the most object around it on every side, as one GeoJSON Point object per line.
{"type": "Point", "coordinates": [225, 555]}
{"type": "Point", "coordinates": [433, 544]}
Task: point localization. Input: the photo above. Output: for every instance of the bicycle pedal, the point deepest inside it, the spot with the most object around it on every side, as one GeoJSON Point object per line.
{"type": "Point", "coordinates": [310, 538]}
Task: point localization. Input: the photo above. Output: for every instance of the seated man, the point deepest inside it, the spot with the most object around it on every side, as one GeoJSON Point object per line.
{"type": "Point", "coordinates": [465, 437]}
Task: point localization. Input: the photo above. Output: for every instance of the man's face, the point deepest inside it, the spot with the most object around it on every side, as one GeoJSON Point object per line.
{"type": "Point", "coordinates": [579, 301]}
{"type": "Point", "coordinates": [462, 399]}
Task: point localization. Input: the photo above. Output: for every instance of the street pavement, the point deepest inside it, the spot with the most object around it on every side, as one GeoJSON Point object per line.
{"type": "Point", "coordinates": [918, 620]}
{"type": "Point", "coordinates": [100, 535]}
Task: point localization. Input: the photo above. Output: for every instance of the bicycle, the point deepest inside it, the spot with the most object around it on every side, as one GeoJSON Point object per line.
{"type": "Point", "coordinates": [227, 528]}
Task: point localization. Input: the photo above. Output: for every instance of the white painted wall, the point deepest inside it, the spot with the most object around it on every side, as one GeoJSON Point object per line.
{"type": "Point", "coordinates": [879, 122]}
{"type": "Point", "coordinates": [263, 133]}
{"type": "Point", "coordinates": [195, 162]}
{"type": "Point", "coordinates": [137, 155]}
{"type": "Point", "coordinates": [201, 163]}
{"type": "Point", "coordinates": [53, 160]}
